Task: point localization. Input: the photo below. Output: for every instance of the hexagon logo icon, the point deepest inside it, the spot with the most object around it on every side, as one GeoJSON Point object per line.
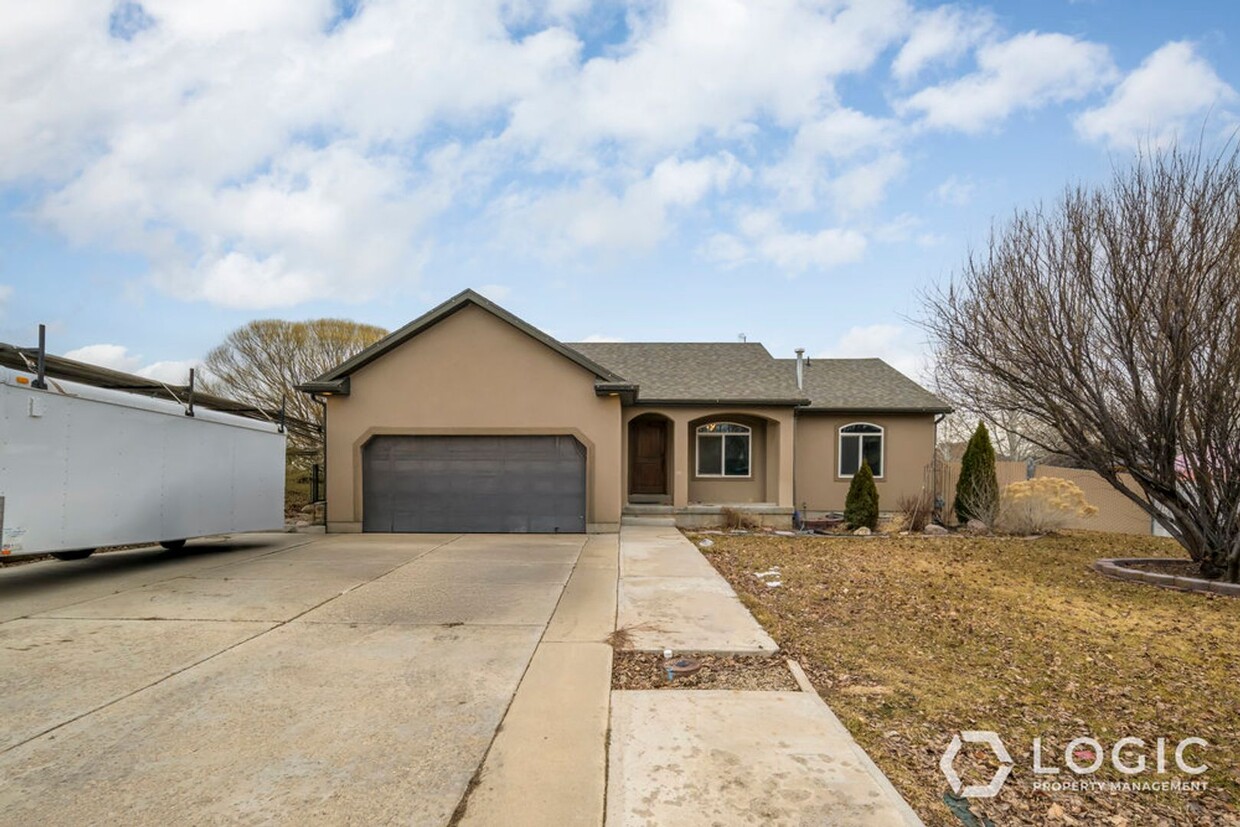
{"type": "Point", "coordinates": [976, 736]}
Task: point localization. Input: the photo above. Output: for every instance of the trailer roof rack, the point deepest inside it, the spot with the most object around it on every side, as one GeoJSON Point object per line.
{"type": "Point", "coordinates": [70, 370]}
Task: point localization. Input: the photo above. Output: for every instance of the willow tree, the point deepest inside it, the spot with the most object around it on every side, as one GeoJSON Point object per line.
{"type": "Point", "coordinates": [1109, 319]}
{"type": "Point", "coordinates": [263, 361]}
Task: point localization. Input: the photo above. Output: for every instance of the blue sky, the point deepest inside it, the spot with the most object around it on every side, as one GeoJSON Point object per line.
{"type": "Point", "coordinates": [795, 172]}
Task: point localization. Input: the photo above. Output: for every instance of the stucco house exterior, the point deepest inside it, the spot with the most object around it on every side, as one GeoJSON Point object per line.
{"type": "Point", "coordinates": [470, 419]}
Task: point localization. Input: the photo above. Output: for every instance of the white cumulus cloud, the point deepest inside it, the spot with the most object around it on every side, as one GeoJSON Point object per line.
{"type": "Point", "coordinates": [763, 237]}
{"type": "Point", "coordinates": [940, 35]}
{"type": "Point", "coordinates": [119, 357]}
{"type": "Point", "coordinates": [1024, 72]}
{"type": "Point", "coordinates": [955, 191]}
{"type": "Point", "coordinates": [590, 215]}
{"type": "Point", "coordinates": [116, 357]}
{"type": "Point", "coordinates": [897, 345]}
{"type": "Point", "coordinates": [1168, 94]}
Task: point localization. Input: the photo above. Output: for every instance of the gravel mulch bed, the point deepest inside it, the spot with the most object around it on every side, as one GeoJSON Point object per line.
{"type": "Point", "coordinates": [644, 670]}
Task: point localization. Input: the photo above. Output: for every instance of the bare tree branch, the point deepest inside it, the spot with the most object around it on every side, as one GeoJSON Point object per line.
{"type": "Point", "coordinates": [1104, 326]}
{"type": "Point", "coordinates": [263, 361]}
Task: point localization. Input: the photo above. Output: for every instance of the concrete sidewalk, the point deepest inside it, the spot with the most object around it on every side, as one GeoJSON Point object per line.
{"type": "Point", "coordinates": [671, 598]}
{"type": "Point", "coordinates": [707, 757]}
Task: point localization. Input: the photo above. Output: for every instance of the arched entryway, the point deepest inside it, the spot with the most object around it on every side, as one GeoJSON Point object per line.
{"type": "Point", "coordinates": [650, 478]}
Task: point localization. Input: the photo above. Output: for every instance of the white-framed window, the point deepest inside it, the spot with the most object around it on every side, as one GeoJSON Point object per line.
{"type": "Point", "coordinates": [724, 449]}
{"type": "Point", "coordinates": [861, 440]}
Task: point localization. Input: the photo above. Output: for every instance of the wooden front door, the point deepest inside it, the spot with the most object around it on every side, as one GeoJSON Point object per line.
{"type": "Point", "coordinates": [648, 449]}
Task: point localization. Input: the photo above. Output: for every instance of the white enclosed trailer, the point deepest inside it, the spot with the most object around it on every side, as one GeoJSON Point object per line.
{"type": "Point", "coordinates": [83, 467]}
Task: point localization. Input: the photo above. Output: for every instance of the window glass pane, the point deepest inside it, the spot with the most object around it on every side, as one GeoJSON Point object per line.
{"type": "Point", "coordinates": [872, 450]}
{"type": "Point", "coordinates": [709, 455]}
{"type": "Point", "coordinates": [850, 455]}
{"type": "Point", "coordinates": [736, 455]}
{"type": "Point", "coordinates": [861, 428]}
{"type": "Point", "coordinates": [723, 428]}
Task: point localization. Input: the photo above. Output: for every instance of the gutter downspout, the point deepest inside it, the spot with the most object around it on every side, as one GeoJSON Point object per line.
{"type": "Point", "coordinates": [323, 402]}
{"type": "Point", "coordinates": [798, 513]}
{"type": "Point", "coordinates": [934, 468]}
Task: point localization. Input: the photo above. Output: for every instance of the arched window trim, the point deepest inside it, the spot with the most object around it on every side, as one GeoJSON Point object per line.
{"type": "Point", "coordinates": [839, 448]}
{"type": "Point", "coordinates": [744, 433]}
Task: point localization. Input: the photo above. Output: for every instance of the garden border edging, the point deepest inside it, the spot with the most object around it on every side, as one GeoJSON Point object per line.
{"type": "Point", "coordinates": [1117, 568]}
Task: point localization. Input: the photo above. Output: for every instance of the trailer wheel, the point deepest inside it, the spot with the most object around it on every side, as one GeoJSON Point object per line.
{"type": "Point", "coordinates": [79, 554]}
{"type": "Point", "coordinates": [172, 545]}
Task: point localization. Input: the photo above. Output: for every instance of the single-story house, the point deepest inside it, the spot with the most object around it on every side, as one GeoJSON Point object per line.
{"type": "Point", "coordinates": [470, 419]}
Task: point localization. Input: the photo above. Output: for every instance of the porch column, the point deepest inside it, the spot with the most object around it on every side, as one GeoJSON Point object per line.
{"type": "Point", "coordinates": [680, 462]}
{"type": "Point", "coordinates": [784, 489]}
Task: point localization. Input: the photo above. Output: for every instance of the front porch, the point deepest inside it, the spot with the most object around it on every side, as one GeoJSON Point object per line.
{"type": "Point", "coordinates": [704, 515]}
{"type": "Point", "coordinates": [685, 465]}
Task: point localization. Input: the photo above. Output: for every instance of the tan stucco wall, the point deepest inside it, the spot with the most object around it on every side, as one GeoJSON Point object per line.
{"type": "Point", "coordinates": [771, 481]}
{"type": "Point", "coordinates": [909, 448]}
{"type": "Point", "coordinates": [473, 374]}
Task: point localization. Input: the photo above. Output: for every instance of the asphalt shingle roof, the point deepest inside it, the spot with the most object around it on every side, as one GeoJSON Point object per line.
{"type": "Point", "coordinates": [686, 372]}
{"type": "Point", "coordinates": [746, 372]}
{"type": "Point", "coordinates": [861, 385]}
{"type": "Point", "coordinates": [696, 372]}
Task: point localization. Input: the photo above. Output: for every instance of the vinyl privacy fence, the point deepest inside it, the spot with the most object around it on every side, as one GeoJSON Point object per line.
{"type": "Point", "coordinates": [1116, 513]}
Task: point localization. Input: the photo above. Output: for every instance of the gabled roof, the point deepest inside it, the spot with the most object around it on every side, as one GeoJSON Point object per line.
{"type": "Point", "coordinates": [683, 373]}
{"type": "Point", "coordinates": [697, 372]}
{"type": "Point", "coordinates": [857, 385]}
{"type": "Point", "coordinates": [336, 380]}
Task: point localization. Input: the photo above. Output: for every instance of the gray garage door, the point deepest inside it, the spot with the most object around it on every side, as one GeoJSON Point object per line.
{"type": "Point", "coordinates": [474, 483]}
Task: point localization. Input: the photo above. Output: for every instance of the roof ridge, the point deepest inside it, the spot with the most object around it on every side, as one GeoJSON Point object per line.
{"type": "Point", "coordinates": [441, 311]}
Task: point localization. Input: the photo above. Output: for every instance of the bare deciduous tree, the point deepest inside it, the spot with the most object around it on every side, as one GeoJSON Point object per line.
{"type": "Point", "coordinates": [1109, 319]}
{"type": "Point", "coordinates": [263, 361]}
{"type": "Point", "coordinates": [1006, 429]}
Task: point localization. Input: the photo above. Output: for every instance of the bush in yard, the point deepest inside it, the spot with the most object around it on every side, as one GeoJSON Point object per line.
{"type": "Point", "coordinates": [977, 489]}
{"type": "Point", "coordinates": [734, 519]}
{"type": "Point", "coordinates": [861, 505]}
{"type": "Point", "coordinates": [1042, 505]}
{"type": "Point", "coordinates": [916, 510]}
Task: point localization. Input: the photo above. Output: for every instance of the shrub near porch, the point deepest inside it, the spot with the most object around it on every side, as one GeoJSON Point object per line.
{"type": "Point", "coordinates": [913, 639]}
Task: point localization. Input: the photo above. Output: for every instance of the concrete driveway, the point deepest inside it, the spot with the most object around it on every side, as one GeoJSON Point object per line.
{"type": "Point", "coordinates": [267, 678]}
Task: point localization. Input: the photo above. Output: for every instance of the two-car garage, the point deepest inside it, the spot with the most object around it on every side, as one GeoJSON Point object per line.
{"type": "Point", "coordinates": [470, 420]}
{"type": "Point", "coordinates": [474, 483]}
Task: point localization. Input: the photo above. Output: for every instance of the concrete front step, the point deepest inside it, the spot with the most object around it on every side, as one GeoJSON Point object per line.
{"type": "Point", "coordinates": [635, 519]}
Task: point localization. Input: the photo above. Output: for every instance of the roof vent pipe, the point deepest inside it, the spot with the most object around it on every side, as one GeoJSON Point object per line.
{"type": "Point", "coordinates": [800, 368]}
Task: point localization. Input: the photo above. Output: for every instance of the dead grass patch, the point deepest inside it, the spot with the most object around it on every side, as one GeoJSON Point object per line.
{"type": "Point", "coordinates": [913, 639]}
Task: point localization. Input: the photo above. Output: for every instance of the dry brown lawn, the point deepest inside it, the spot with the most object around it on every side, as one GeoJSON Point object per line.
{"type": "Point", "coordinates": [912, 639]}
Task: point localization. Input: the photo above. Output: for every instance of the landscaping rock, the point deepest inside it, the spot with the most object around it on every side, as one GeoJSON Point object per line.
{"type": "Point", "coordinates": [936, 531]}
{"type": "Point", "coordinates": [863, 532]}
{"type": "Point", "coordinates": [976, 527]}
